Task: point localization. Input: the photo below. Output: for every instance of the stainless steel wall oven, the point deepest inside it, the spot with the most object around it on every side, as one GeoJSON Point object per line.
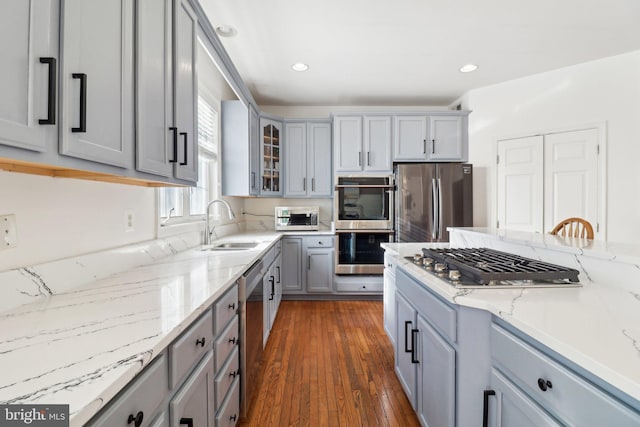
{"type": "Point", "coordinates": [364, 202]}
{"type": "Point", "coordinates": [359, 251]}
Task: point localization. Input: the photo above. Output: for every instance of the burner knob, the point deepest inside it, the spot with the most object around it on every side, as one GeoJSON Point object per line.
{"type": "Point", "coordinates": [454, 275]}
{"type": "Point", "coordinates": [440, 267]}
{"type": "Point", "coordinates": [427, 262]}
{"type": "Point", "coordinates": [417, 258]}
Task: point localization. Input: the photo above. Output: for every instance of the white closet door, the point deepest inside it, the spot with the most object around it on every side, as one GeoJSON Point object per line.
{"type": "Point", "coordinates": [520, 184]}
{"type": "Point", "coordinates": [571, 177]}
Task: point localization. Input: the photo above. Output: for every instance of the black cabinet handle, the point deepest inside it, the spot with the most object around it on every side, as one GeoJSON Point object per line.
{"type": "Point", "coordinates": [136, 420]}
{"type": "Point", "coordinates": [368, 158]}
{"type": "Point", "coordinates": [359, 158]}
{"type": "Point", "coordinates": [313, 184]}
{"type": "Point", "coordinates": [232, 306]}
{"type": "Point", "coordinates": [233, 417]}
{"type": "Point", "coordinates": [83, 102]}
{"type": "Point", "coordinates": [414, 359]}
{"type": "Point", "coordinates": [184, 141]}
{"type": "Point", "coordinates": [200, 342]}
{"type": "Point", "coordinates": [278, 270]}
{"type": "Point", "coordinates": [424, 148]}
{"type": "Point", "coordinates": [51, 100]}
{"type": "Point", "coordinates": [485, 407]}
{"type": "Point", "coordinates": [433, 146]}
{"type": "Point", "coordinates": [232, 340]}
{"type": "Point", "coordinates": [175, 145]}
{"type": "Point", "coordinates": [304, 184]}
{"type": "Point", "coordinates": [406, 336]}
{"type": "Point", "coordinates": [273, 287]}
{"type": "Point", "coordinates": [233, 374]}
{"type": "Point", "coordinates": [544, 384]}
{"type": "Point", "coordinates": [187, 421]}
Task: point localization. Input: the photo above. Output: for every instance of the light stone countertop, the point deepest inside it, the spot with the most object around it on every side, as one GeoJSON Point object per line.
{"type": "Point", "coordinates": [596, 326]}
{"type": "Point", "coordinates": [82, 346]}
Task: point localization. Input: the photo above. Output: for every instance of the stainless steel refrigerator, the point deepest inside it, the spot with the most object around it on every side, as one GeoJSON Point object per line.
{"type": "Point", "coordinates": [431, 197]}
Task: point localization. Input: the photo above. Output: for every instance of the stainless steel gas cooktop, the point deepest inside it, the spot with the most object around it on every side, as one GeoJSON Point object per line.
{"type": "Point", "coordinates": [485, 268]}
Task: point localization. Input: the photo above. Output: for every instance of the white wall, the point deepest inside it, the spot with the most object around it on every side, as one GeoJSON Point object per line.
{"type": "Point", "coordinates": [58, 217]}
{"type": "Point", "coordinates": [603, 91]}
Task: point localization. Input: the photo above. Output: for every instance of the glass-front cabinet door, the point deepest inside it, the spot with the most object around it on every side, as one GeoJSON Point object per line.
{"type": "Point", "coordinates": [271, 161]}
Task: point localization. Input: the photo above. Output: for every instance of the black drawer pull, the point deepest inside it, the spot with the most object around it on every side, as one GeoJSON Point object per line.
{"type": "Point", "coordinates": [406, 336]}
{"type": "Point", "coordinates": [51, 100]}
{"type": "Point", "coordinates": [414, 359]}
{"type": "Point", "coordinates": [233, 417]}
{"type": "Point", "coordinates": [233, 374]}
{"type": "Point", "coordinates": [83, 102]}
{"type": "Point", "coordinates": [184, 140]}
{"type": "Point", "coordinates": [544, 384]}
{"type": "Point", "coordinates": [200, 342]}
{"type": "Point", "coordinates": [137, 420]}
{"type": "Point", "coordinates": [232, 306]}
{"type": "Point", "coordinates": [187, 421]}
{"type": "Point", "coordinates": [232, 340]}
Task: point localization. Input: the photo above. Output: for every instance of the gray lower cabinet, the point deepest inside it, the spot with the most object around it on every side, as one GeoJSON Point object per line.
{"type": "Point", "coordinates": [319, 257]}
{"type": "Point", "coordinates": [272, 289]}
{"type": "Point", "coordinates": [193, 404]}
{"type": "Point", "coordinates": [292, 265]}
{"type": "Point", "coordinates": [194, 382]}
{"type": "Point", "coordinates": [389, 296]}
{"type": "Point", "coordinates": [525, 380]}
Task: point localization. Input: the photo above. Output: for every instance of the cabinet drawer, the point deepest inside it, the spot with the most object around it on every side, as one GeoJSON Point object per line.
{"type": "Point", "coordinates": [225, 377]}
{"type": "Point", "coordinates": [225, 309]}
{"type": "Point", "coordinates": [571, 398]}
{"type": "Point", "coordinates": [318, 242]}
{"type": "Point", "coordinates": [229, 413]}
{"type": "Point", "coordinates": [144, 394]}
{"type": "Point", "coordinates": [359, 287]}
{"type": "Point", "coordinates": [225, 343]}
{"type": "Point", "coordinates": [190, 347]}
{"type": "Point", "coordinates": [442, 316]}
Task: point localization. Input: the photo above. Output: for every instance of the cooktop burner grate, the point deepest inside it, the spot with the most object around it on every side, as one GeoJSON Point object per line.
{"type": "Point", "coordinates": [484, 266]}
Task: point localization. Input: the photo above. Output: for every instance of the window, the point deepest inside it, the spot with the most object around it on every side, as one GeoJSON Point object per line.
{"type": "Point", "coordinates": [190, 204]}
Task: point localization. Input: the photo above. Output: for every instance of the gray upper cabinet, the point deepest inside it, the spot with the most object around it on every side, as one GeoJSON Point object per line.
{"type": "Point", "coordinates": [240, 151]}
{"type": "Point", "coordinates": [96, 78]}
{"type": "Point", "coordinates": [29, 48]}
{"type": "Point", "coordinates": [308, 159]}
{"type": "Point", "coordinates": [271, 160]}
{"type": "Point", "coordinates": [362, 144]}
{"type": "Point", "coordinates": [166, 127]}
{"type": "Point", "coordinates": [436, 137]}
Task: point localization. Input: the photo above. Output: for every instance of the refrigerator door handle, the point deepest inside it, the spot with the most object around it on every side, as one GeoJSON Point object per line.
{"type": "Point", "coordinates": [434, 209]}
{"type": "Point", "coordinates": [440, 231]}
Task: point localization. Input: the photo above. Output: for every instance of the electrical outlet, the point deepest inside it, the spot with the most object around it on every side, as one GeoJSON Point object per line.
{"type": "Point", "coordinates": [129, 221]}
{"type": "Point", "coordinates": [8, 232]}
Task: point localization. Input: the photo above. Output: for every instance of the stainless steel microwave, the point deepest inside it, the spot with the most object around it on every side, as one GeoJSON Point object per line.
{"type": "Point", "coordinates": [295, 218]}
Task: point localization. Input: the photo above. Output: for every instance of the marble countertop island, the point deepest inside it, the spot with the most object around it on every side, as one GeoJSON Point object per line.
{"type": "Point", "coordinates": [82, 345]}
{"type": "Point", "coordinates": [596, 326]}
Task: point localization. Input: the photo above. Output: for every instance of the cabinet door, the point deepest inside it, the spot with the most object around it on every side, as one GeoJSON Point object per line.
{"type": "Point", "coordinates": [28, 34]}
{"type": "Point", "coordinates": [377, 144]}
{"type": "Point", "coordinates": [319, 169]}
{"type": "Point", "coordinates": [193, 404]}
{"type": "Point", "coordinates": [186, 89]}
{"type": "Point", "coordinates": [97, 81]}
{"type": "Point", "coordinates": [436, 377]}
{"type": "Point", "coordinates": [320, 270]}
{"type": "Point", "coordinates": [154, 102]}
{"type": "Point", "coordinates": [296, 166]}
{"type": "Point", "coordinates": [513, 408]}
{"type": "Point", "coordinates": [270, 134]}
{"type": "Point", "coordinates": [404, 339]}
{"type": "Point", "coordinates": [389, 299]}
{"type": "Point", "coordinates": [277, 265]}
{"type": "Point", "coordinates": [410, 138]}
{"type": "Point", "coordinates": [347, 139]}
{"type": "Point", "coordinates": [254, 151]}
{"type": "Point", "coordinates": [292, 265]}
{"type": "Point", "coordinates": [445, 135]}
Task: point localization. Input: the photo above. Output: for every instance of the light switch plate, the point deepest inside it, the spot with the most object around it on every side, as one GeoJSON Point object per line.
{"type": "Point", "coordinates": [8, 232]}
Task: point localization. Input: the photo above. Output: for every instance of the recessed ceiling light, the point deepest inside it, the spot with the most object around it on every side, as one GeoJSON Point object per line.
{"type": "Point", "coordinates": [226, 31]}
{"type": "Point", "coordinates": [299, 66]}
{"type": "Point", "coordinates": [468, 68]}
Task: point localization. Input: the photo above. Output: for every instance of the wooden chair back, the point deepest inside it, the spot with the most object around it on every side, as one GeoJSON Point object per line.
{"type": "Point", "coordinates": [574, 227]}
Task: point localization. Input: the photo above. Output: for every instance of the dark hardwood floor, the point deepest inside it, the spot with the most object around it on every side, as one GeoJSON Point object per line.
{"type": "Point", "coordinates": [329, 363]}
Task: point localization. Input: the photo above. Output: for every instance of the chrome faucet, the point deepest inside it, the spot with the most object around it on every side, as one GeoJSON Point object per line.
{"type": "Point", "coordinates": [209, 230]}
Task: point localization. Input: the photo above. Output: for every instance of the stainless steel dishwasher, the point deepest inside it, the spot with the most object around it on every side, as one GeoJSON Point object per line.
{"type": "Point", "coordinates": [251, 333]}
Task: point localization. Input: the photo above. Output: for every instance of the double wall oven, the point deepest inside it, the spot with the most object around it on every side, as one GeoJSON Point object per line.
{"type": "Point", "coordinates": [363, 216]}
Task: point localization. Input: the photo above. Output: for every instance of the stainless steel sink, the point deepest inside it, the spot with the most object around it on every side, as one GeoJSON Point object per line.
{"type": "Point", "coordinates": [232, 246]}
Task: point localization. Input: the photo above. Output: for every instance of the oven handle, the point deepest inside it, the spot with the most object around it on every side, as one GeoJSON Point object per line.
{"type": "Point", "coordinates": [338, 186]}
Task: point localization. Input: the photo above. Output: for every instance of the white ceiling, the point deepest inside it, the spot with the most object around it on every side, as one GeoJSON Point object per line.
{"type": "Point", "coordinates": [408, 52]}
